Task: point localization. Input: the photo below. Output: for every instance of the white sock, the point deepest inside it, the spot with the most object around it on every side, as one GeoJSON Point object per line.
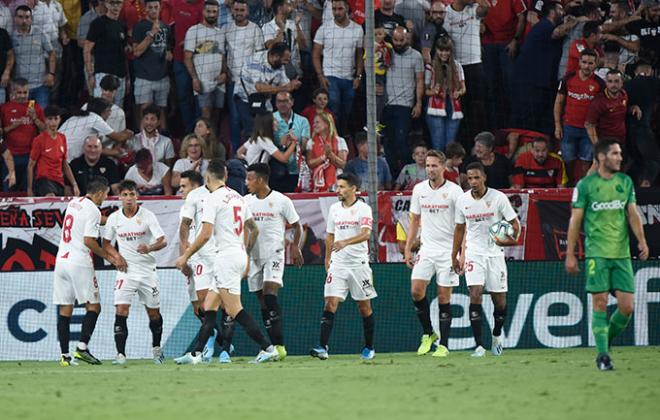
{"type": "Point", "coordinates": [82, 346]}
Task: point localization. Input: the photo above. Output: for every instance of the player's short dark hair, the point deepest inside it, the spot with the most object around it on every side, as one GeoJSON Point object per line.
{"type": "Point", "coordinates": [151, 109]}
{"type": "Point", "coordinates": [127, 185]}
{"type": "Point", "coordinates": [437, 154]}
{"type": "Point", "coordinates": [351, 179]}
{"type": "Point", "coordinates": [109, 83]}
{"type": "Point", "coordinates": [589, 52]}
{"type": "Point", "coordinates": [52, 111]}
{"type": "Point", "coordinates": [603, 146]}
{"type": "Point", "coordinates": [217, 168]}
{"type": "Point", "coordinates": [194, 177]}
{"type": "Point", "coordinates": [279, 48]}
{"type": "Point", "coordinates": [590, 28]}
{"type": "Point", "coordinates": [477, 166]}
{"type": "Point", "coordinates": [262, 170]}
{"type": "Point", "coordinates": [454, 150]}
{"type": "Point", "coordinates": [97, 184]}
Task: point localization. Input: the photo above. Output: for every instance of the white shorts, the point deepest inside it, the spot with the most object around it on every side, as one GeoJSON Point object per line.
{"type": "Point", "coordinates": [75, 283]}
{"type": "Point", "coordinates": [230, 268]}
{"type": "Point", "coordinates": [358, 280]}
{"type": "Point", "coordinates": [203, 272]}
{"type": "Point", "coordinates": [147, 287]}
{"type": "Point", "coordinates": [427, 266]}
{"type": "Point", "coordinates": [190, 286]}
{"type": "Point", "coordinates": [482, 270]}
{"type": "Point", "coordinates": [266, 269]}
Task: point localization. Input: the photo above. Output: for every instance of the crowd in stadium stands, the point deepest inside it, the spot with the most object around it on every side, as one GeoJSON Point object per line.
{"type": "Point", "coordinates": [147, 89]}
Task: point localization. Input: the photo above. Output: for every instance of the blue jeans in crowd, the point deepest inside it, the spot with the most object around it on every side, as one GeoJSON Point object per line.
{"type": "Point", "coordinates": [397, 123]}
{"type": "Point", "coordinates": [340, 101]}
{"type": "Point", "coordinates": [498, 70]}
{"type": "Point", "coordinates": [184, 96]}
{"type": "Point", "coordinates": [41, 95]}
{"type": "Point", "coordinates": [576, 144]}
{"type": "Point", "coordinates": [442, 131]}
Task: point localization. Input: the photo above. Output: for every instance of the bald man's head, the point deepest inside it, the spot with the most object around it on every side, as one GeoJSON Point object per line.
{"type": "Point", "coordinates": [400, 39]}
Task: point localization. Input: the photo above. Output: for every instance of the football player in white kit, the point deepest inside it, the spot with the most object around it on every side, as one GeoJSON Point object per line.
{"type": "Point", "coordinates": [271, 211]}
{"type": "Point", "coordinates": [347, 263]}
{"type": "Point", "coordinates": [201, 270]}
{"type": "Point", "coordinates": [138, 235]}
{"type": "Point", "coordinates": [75, 279]}
{"type": "Point", "coordinates": [433, 205]}
{"type": "Point", "coordinates": [225, 217]}
{"type": "Point", "coordinates": [476, 211]}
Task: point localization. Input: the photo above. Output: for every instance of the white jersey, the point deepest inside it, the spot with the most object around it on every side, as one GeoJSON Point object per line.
{"type": "Point", "coordinates": [437, 210]}
{"type": "Point", "coordinates": [142, 228]}
{"type": "Point", "coordinates": [345, 223]}
{"type": "Point", "coordinates": [479, 216]}
{"type": "Point", "coordinates": [271, 215]}
{"type": "Point", "coordinates": [227, 212]}
{"type": "Point", "coordinates": [193, 208]}
{"type": "Point", "coordinates": [82, 219]}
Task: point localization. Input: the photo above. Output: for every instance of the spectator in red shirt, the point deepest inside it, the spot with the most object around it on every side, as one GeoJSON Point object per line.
{"type": "Point", "coordinates": [591, 38]}
{"type": "Point", "coordinates": [505, 25]}
{"type": "Point", "coordinates": [48, 154]}
{"type": "Point", "coordinates": [576, 91]}
{"type": "Point", "coordinates": [185, 13]}
{"type": "Point", "coordinates": [606, 116]}
{"type": "Point", "coordinates": [320, 104]}
{"type": "Point", "coordinates": [535, 168]}
{"type": "Point", "coordinates": [455, 154]}
{"type": "Point", "coordinates": [21, 120]}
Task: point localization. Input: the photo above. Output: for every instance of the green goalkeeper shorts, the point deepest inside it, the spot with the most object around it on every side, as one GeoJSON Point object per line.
{"type": "Point", "coordinates": [609, 274]}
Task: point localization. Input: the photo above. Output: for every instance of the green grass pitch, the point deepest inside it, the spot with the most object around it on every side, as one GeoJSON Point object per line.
{"type": "Point", "coordinates": [522, 384]}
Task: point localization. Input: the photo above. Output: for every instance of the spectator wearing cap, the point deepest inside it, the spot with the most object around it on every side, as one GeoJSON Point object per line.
{"type": "Point", "coordinates": [92, 121]}
{"type": "Point", "coordinates": [93, 164]}
{"type": "Point", "coordinates": [153, 52]}
{"type": "Point", "coordinates": [105, 50]}
{"type": "Point", "coordinates": [433, 30]}
{"type": "Point", "coordinates": [413, 173]}
{"type": "Point", "coordinates": [48, 155]}
{"type": "Point", "coordinates": [359, 165]}
{"type": "Point", "coordinates": [7, 61]}
{"type": "Point", "coordinates": [117, 118]}
{"type": "Point", "coordinates": [263, 73]}
{"type": "Point", "coordinates": [204, 54]}
{"type": "Point", "coordinates": [22, 120]}
{"type": "Point", "coordinates": [8, 160]}
{"type": "Point", "coordinates": [591, 39]}
{"type": "Point", "coordinates": [534, 91]}
{"type": "Point", "coordinates": [31, 45]}
{"type": "Point", "coordinates": [576, 92]}
{"type": "Point", "coordinates": [150, 138]}
{"type": "Point", "coordinates": [536, 168]}
{"type": "Point", "coordinates": [498, 167]}
{"type": "Point", "coordinates": [504, 27]}
{"type": "Point", "coordinates": [152, 178]}
{"type": "Point", "coordinates": [337, 57]}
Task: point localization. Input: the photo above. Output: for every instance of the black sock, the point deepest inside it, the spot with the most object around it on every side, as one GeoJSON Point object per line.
{"type": "Point", "coordinates": [500, 316]}
{"type": "Point", "coordinates": [88, 325]}
{"type": "Point", "coordinates": [327, 320]}
{"type": "Point", "coordinates": [121, 334]}
{"type": "Point", "coordinates": [368, 325]}
{"type": "Point", "coordinates": [275, 314]}
{"type": "Point", "coordinates": [265, 317]}
{"type": "Point", "coordinates": [475, 321]}
{"type": "Point", "coordinates": [205, 330]}
{"type": "Point", "coordinates": [218, 333]}
{"type": "Point", "coordinates": [63, 332]}
{"type": "Point", "coordinates": [227, 331]}
{"type": "Point", "coordinates": [200, 315]}
{"type": "Point", "coordinates": [424, 315]}
{"type": "Point", "coordinates": [252, 329]}
{"type": "Point", "coordinates": [445, 323]}
{"type": "Point", "coordinates": [156, 327]}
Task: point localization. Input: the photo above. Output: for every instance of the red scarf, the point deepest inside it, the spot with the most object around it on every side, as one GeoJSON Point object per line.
{"type": "Point", "coordinates": [437, 103]}
{"type": "Point", "coordinates": [325, 175]}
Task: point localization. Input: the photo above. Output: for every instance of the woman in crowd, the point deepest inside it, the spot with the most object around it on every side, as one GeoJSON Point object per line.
{"type": "Point", "coordinates": [326, 153]}
{"type": "Point", "coordinates": [151, 178]}
{"type": "Point", "coordinates": [205, 132]}
{"type": "Point", "coordinates": [193, 156]}
{"type": "Point", "coordinates": [445, 84]}
{"type": "Point", "coordinates": [260, 147]}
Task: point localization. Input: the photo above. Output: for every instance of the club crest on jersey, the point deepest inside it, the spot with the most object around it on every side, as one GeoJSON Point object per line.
{"type": "Point", "coordinates": [138, 221]}
{"type": "Point", "coordinates": [270, 204]}
{"type": "Point", "coordinates": [488, 203]}
{"type": "Point", "coordinates": [444, 196]}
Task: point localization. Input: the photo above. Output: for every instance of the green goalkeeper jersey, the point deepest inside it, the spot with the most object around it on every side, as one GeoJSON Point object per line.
{"type": "Point", "coordinates": [605, 223]}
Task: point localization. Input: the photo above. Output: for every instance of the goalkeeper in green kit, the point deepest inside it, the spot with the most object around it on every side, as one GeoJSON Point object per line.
{"type": "Point", "coordinates": [606, 202]}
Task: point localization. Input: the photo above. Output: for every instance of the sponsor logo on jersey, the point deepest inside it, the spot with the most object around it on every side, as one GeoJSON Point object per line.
{"type": "Point", "coordinates": [608, 205]}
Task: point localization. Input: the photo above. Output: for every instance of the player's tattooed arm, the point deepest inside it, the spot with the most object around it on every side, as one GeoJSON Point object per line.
{"type": "Point", "coordinates": [251, 234]}
{"type": "Point", "coordinates": [184, 232]}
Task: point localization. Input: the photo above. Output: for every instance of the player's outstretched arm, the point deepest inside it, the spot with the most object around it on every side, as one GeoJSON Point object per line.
{"type": "Point", "coordinates": [573, 234]}
{"type": "Point", "coordinates": [108, 252]}
{"type": "Point", "coordinates": [635, 221]}
{"type": "Point", "coordinates": [411, 237]}
{"type": "Point", "coordinates": [459, 233]}
{"type": "Point", "coordinates": [203, 237]}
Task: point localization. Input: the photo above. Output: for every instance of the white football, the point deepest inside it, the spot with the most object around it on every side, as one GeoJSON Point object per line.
{"type": "Point", "coordinates": [501, 230]}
